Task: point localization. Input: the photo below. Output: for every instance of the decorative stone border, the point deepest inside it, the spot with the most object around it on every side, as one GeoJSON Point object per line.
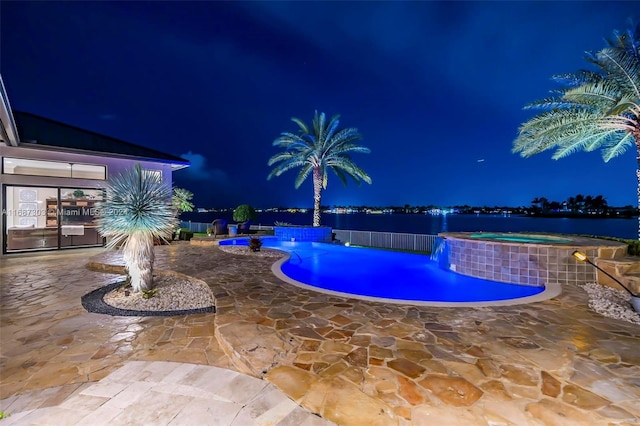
{"type": "Point", "coordinates": [93, 301]}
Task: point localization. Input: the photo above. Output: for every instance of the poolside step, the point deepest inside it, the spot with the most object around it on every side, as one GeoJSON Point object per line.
{"type": "Point", "coordinates": [204, 241]}
{"type": "Point", "coordinates": [625, 269]}
{"type": "Point", "coordinates": [254, 349]}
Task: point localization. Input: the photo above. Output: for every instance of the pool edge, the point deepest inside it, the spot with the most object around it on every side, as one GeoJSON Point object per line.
{"type": "Point", "coordinates": [551, 290]}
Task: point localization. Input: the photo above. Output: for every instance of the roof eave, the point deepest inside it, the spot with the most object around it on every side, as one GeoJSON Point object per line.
{"type": "Point", "coordinates": [175, 165]}
{"type": "Point", "coordinates": [8, 131]}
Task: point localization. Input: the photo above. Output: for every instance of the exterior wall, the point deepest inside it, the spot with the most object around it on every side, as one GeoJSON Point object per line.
{"type": "Point", "coordinates": [113, 165]}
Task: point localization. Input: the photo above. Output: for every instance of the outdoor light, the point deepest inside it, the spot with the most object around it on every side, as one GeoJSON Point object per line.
{"type": "Point", "coordinates": [580, 256]}
{"type": "Point", "coordinates": [635, 300]}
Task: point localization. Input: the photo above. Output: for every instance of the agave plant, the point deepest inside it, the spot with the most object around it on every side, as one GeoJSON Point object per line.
{"type": "Point", "coordinates": [136, 210]}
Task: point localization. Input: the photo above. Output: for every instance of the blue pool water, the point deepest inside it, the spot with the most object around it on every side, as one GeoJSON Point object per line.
{"type": "Point", "coordinates": [384, 274]}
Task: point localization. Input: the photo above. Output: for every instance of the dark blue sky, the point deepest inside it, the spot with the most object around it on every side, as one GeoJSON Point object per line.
{"type": "Point", "coordinates": [433, 87]}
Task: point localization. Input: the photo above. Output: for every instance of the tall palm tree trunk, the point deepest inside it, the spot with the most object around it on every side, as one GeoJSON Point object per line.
{"type": "Point", "coordinates": [139, 255]}
{"type": "Point", "coordinates": [317, 195]}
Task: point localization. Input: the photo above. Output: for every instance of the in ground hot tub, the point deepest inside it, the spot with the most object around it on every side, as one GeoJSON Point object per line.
{"type": "Point", "coordinates": [520, 258]}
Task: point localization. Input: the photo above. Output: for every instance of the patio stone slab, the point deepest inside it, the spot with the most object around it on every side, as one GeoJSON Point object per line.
{"type": "Point", "coordinates": [552, 362]}
{"type": "Point", "coordinates": [253, 347]}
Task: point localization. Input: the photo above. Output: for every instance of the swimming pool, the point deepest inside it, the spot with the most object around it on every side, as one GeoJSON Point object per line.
{"type": "Point", "coordinates": [390, 276]}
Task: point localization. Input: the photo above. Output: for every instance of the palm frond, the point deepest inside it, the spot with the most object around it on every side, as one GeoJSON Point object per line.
{"type": "Point", "coordinates": [304, 173]}
{"type": "Point", "coordinates": [624, 69]}
{"type": "Point", "coordinates": [577, 78]}
{"type": "Point", "coordinates": [301, 124]}
{"type": "Point", "coordinates": [284, 157]}
{"type": "Point", "coordinates": [350, 168]}
{"type": "Point", "coordinates": [290, 141]}
{"type": "Point", "coordinates": [342, 137]}
{"type": "Point", "coordinates": [341, 175]}
{"type": "Point", "coordinates": [597, 98]}
{"type": "Point", "coordinates": [548, 103]}
{"type": "Point", "coordinates": [617, 145]}
{"type": "Point", "coordinates": [318, 126]}
{"type": "Point", "coordinates": [581, 142]}
{"type": "Point", "coordinates": [332, 127]}
{"type": "Point", "coordinates": [287, 165]}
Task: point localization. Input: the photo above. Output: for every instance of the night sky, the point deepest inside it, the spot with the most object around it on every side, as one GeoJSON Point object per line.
{"type": "Point", "coordinates": [437, 90]}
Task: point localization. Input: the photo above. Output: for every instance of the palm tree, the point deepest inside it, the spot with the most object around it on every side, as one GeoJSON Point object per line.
{"type": "Point", "coordinates": [580, 203]}
{"type": "Point", "coordinates": [540, 204]}
{"type": "Point", "coordinates": [317, 149]}
{"type": "Point", "coordinates": [600, 204]}
{"type": "Point", "coordinates": [136, 210]}
{"type": "Point", "coordinates": [595, 110]}
{"type": "Point", "coordinates": [181, 200]}
{"type": "Point", "coordinates": [554, 206]}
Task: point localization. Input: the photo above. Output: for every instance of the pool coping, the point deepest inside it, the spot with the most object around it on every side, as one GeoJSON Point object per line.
{"type": "Point", "coordinates": [551, 290]}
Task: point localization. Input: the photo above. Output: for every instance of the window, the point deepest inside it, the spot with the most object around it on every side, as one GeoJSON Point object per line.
{"type": "Point", "coordinates": [156, 174]}
{"type": "Point", "coordinates": [21, 166]}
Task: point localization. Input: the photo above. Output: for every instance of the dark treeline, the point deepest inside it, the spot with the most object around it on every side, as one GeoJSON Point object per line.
{"type": "Point", "coordinates": [577, 206]}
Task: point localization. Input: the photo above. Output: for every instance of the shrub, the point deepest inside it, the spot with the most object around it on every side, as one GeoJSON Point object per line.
{"type": "Point", "coordinates": [244, 213]}
{"type": "Point", "coordinates": [185, 234]}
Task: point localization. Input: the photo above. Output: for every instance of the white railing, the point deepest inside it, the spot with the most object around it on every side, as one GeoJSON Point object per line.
{"type": "Point", "coordinates": [390, 240]}
{"type": "Point", "coordinates": [202, 227]}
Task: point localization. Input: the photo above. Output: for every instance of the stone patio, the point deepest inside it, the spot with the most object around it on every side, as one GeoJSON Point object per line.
{"type": "Point", "coordinates": [353, 362]}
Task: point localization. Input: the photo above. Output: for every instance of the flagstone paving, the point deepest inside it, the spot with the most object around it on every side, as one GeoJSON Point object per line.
{"type": "Point", "coordinates": [353, 362]}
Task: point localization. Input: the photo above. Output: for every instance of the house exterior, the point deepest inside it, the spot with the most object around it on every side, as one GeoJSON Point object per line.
{"type": "Point", "coordinates": [53, 174]}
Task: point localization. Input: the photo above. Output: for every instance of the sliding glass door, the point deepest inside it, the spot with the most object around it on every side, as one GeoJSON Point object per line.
{"type": "Point", "coordinates": [38, 218]}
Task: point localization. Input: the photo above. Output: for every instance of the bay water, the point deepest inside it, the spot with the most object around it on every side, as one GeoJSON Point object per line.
{"type": "Point", "coordinates": [428, 224]}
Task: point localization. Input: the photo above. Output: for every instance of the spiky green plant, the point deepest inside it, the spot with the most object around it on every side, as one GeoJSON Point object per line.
{"type": "Point", "coordinates": [315, 150]}
{"type": "Point", "coordinates": [595, 110]}
{"type": "Point", "coordinates": [136, 210]}
{"type": "Point", "coordinates": [182, 200]}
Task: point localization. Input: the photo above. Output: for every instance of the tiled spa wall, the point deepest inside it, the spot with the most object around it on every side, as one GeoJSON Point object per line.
{"type": "Point", "coordinates": [524, 264]}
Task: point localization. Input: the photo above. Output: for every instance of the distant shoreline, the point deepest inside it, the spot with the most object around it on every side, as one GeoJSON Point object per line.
{"type": "Point", "coordinates": [581, 216]}
{"type": "Point", "coordinates": [559, 215]}
{"type": "Point", "coordinates": [614, 226]}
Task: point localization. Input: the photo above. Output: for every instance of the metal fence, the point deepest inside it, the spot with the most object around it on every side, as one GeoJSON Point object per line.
{"type": "Point", "coordinates": [202, 227]}
{"type": "Point", "coordinates": [390, 240]}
